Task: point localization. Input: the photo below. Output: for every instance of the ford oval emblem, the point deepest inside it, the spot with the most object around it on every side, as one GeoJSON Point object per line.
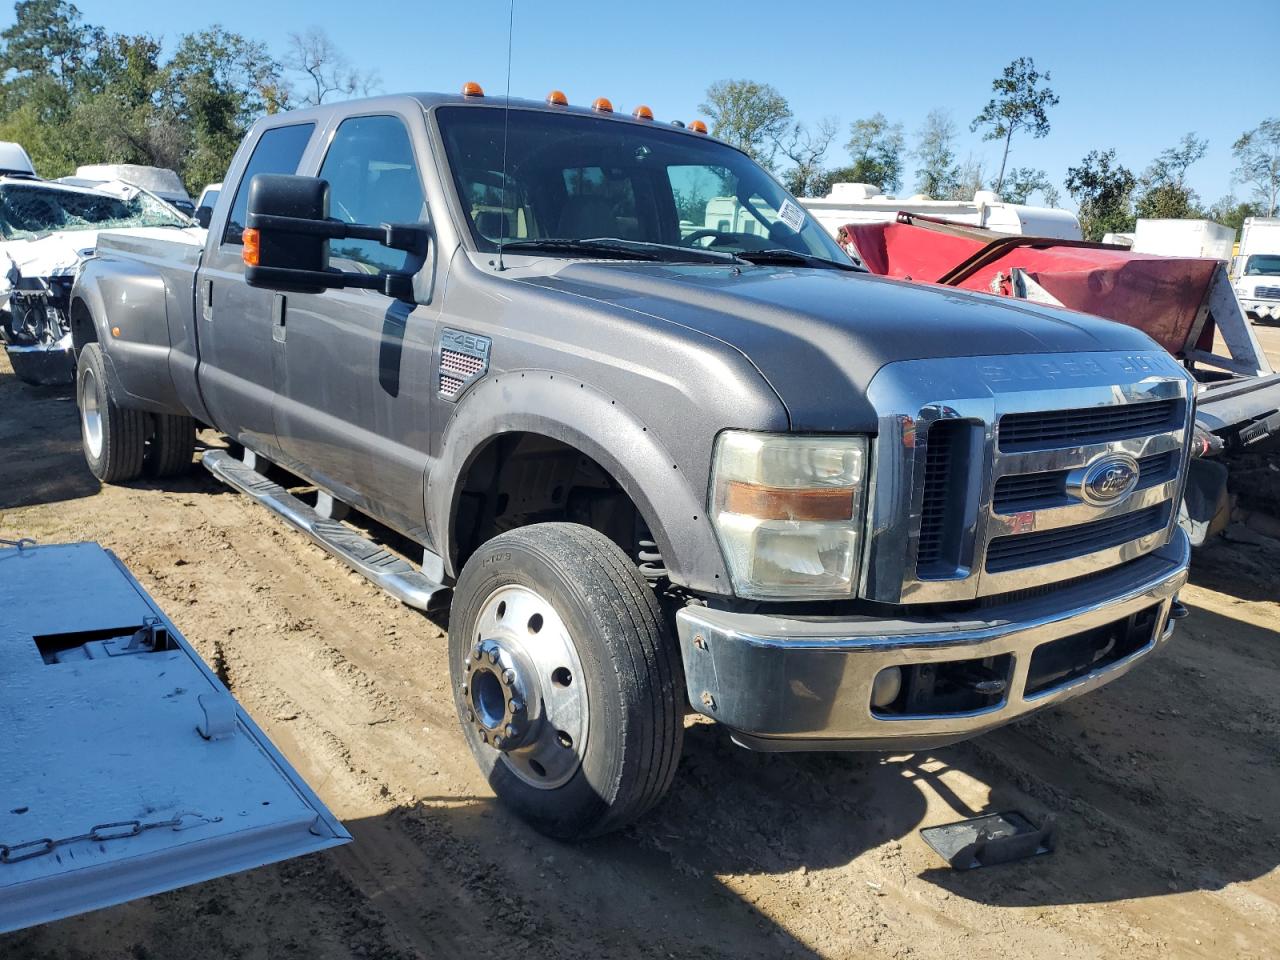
{"type": "Point", "coordinates": [1106, 481]}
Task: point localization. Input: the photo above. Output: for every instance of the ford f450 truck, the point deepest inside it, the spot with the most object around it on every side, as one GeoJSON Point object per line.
{"type": "Point", "coordinates": [658, 469]}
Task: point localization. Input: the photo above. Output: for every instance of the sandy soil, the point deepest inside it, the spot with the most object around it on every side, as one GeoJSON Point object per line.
{"type": "Point", "coordinates": [1163, 784]}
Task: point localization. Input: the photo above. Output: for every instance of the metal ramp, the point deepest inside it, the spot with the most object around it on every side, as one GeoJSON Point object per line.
{"type": "Point", "coordinates": [394, 574]}
{"type": "Point", "coordinates": [128, 769]}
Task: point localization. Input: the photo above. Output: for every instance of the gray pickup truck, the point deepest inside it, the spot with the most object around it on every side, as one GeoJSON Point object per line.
{"type": "Point", "coordinates": [660, 461]}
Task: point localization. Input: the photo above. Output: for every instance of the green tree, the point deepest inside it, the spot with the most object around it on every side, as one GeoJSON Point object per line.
{"type": "Point", "coordinates": [806, 148]}
{"type": "Point", "coordinates": [1021, 102]}
{"type": "Point", "coordinates": [751, 116]}
{"type": "Point", "coordinates": [1103, 188]}
{"type": "Point", "coordinates": [938, 174]}
{"type": "Point", "coordinates": [1021, 182]}
{"type": "Point", "coordinates": [1165, 193]}
{"type": "Point", "coordinates": [216, 85]}
{"type": "Point", "coordinates": [1231, 212]}
{"type": "Point", "coordinates": [1258, 153]}
{"type": "Point", "coordinates": [48, 38]}
{"type": "Point", "coordinates": [876, 147]}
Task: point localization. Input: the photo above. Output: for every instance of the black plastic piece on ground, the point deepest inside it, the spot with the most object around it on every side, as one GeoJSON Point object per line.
{"type": "Point", "coordinates": [987, 840]}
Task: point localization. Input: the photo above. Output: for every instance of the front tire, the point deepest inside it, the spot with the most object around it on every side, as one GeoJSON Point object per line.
{"type": "Point", "coordinates": [567, 682]}
{"type": "Point", "coordinates": [113, 438]}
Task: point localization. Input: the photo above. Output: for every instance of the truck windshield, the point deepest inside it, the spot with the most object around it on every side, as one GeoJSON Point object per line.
{"type": "Point", "coordinates": [575, 178]}
{"type": "Point", "coordinates": [32, 210]}
{"type": "Point", "coordinates": [1262, 264]}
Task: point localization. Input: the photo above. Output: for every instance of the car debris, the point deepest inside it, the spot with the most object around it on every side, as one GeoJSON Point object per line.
{"type": "Point", "coordinates": [47, 231]}
{"type": "Point", "coordinates": [990, 839]}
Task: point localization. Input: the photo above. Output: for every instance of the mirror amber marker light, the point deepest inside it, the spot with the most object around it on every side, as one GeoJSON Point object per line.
{"type": "Point", "coordinates": [252, 252]}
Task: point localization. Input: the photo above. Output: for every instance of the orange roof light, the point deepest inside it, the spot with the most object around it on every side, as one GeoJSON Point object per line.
{"type": "Point", "coordinates": [252, 252]}
{"type": "Point", "coordinates": [556, 98]}
{"type": "Point", "coordinates": [472, 89]}
{"type": "Point", "coordinates": [642, 113]}
{"type": "Point", "coordinates": [602, 105]}
{"type": "Point", "coordinates": [697, 126]}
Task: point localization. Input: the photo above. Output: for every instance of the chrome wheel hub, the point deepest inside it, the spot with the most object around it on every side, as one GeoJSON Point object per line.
{"type": "Point", "coordinates": [90, 413]}
{"type": "Point", "coordinates": [523, 688]}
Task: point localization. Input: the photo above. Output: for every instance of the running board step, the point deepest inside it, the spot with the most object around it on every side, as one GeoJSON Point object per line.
{"type": "Point", "coordinates": [394, 574]}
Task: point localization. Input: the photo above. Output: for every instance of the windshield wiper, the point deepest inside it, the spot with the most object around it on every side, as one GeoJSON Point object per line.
{"type": "Point", "coordinates": [592, 248]}
{"type": "Point", "coordinates": [648, 250]}
{"type": "Point", "coordinates": [780, 255]}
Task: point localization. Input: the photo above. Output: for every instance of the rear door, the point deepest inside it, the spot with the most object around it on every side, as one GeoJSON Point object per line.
{"type": "Point", "coordinates": [234, 319]}
{"type": "Point", "coordinates": [128, 768]}
{"type": "Point", "coordinates": [353, 376]}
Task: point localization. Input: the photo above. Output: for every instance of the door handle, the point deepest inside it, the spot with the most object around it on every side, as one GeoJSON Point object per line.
{"type": "Point", "coordinates": [277, 317]}
{"type": "Point", "coordinates": [206, 300]}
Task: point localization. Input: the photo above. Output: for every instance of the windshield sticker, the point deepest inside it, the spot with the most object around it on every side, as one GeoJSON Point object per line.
{"type": "Point", "coordinates": [791, 215]}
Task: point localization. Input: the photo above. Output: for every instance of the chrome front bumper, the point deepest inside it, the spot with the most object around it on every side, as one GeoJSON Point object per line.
{"type": "Point", "coordinates": [790, 683]}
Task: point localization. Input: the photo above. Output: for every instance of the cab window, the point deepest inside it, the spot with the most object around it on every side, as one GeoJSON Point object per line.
{"type": "Point", "coordinates": [279, 150]}
{"type": "Point", "coordinates": [373, 179]}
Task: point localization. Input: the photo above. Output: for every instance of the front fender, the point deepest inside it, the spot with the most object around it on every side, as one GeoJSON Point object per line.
{"type": "Point", "coordinates": [587, 418]}
{"type": "Point", "coordinates": [131, 298]}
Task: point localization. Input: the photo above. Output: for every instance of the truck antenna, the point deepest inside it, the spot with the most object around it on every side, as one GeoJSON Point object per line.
{"type": "Point", "coordinates": [506, 115]}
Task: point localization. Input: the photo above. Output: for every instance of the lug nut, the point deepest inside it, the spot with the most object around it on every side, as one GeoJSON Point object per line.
{"type": "Point", "coordinates": [517, 706]}
{"type": "Point", "coordinates": [475, 652]}
{"type": "Point", "coordinates": [465, 690]}
{"type": "Point", "coordinates": [497, 740]}
{"type": "Point", "coordinates": [508, 676]}
{"type": "Point", "coordinates": [511, 731]}
{"type": "Point", "coordinates": [471, 716]}
{"type": "Point", "coordinates": [493, 656]}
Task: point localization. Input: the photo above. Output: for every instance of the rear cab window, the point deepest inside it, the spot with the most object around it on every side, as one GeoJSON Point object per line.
{"type": "Point", "coordinates": [278, 150]}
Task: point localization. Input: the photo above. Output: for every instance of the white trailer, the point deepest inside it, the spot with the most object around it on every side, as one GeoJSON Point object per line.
{"type": "Point", "coordinates": [863, 203]}
{"type": "Point", "coordinates": [1256, 271]}
{"type": "Point", "coordinates": [1184, 238]}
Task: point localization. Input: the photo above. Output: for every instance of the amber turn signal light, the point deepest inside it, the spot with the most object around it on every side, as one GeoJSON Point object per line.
{"type": "Point", "coordinates": [252, 252]}
{"type": "Point", "coordinates": [472, 89]}
{"type": "Point", "coordinates": [602, 105]}
{"type": "Point", "coordinates": [642, 113]}
{"type": "Point", "coordinates": [556, 98]}
{"type": "Point", "coordinates": [787, 503]}
{"type": "Point", "coordinates": [697, 126]}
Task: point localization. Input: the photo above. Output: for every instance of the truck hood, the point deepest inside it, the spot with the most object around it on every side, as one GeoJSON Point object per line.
{"type": "Point", "coordinates": [819, 336]}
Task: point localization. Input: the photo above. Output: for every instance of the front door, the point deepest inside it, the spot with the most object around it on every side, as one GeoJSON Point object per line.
{"type": "Point", "coordinates": [236, 376]}
{"type": "Point", "coordinates": [353, 367]}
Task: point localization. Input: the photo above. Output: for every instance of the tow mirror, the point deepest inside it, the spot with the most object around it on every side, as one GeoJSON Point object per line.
{"type": "Point", "coordinates": [287, 234]}
{"type": "Point", "coordinates": [204, 216]}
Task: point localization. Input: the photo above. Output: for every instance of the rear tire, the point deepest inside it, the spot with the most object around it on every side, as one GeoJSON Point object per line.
{"type": "Point", "coordinates": [568, 616]}
{"type": "Point", "coordinates": [113, 437]}
{"type": "Point", "coordinates": [171, 446]}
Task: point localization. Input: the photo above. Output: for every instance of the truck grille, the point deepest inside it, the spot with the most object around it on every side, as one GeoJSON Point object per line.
{"type": "Point", "coordinates": [1034, 431]}
{"type": "Point", "coordinates": [1267, 293]}
{"type": "Point", "coordinates": [1050, 546]}
{"type": "Point", "coordinates": [944, 466]}
{"type": "Point", "coordinates": [1032, 491]}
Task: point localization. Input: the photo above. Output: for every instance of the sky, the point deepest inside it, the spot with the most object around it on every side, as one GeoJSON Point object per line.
{"type": "Point", "coordinates": [1131, 75]}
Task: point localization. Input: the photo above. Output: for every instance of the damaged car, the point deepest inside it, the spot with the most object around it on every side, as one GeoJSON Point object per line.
{"type": "Point", "coordinates": [47, 231]}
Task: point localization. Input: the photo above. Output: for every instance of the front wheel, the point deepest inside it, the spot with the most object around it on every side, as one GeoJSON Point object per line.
{"type": "Point", "coordinates": [566, 680]}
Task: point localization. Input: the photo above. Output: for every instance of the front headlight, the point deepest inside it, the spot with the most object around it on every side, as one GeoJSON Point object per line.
{"type": "Point", "coordinates": [789, 513]}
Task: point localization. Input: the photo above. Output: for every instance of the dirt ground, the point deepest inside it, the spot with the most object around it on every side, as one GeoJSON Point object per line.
{"type": "Point", "coordinates": [1163, 784]}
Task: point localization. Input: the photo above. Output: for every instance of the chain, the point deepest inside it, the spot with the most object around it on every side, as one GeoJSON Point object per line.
{"type": "Point", "coordinates": [19, 543]}
{"type": "Point", "coordinates": [103, 832]}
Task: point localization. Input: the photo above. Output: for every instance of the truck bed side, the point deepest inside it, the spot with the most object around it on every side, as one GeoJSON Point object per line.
{"type": "Point", "coordinates": [139, 293]}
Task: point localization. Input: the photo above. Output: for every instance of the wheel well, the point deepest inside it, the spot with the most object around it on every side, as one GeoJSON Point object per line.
{"type": "Point", "coordinates": [522, 478]}
{"type": "Point", "coordinates": [82, 329]}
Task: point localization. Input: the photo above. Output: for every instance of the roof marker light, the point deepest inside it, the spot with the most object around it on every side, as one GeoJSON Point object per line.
{"type": "Point", "coordinates": [602, 105]}
{"type": "Point", "coordinates": [556, 98]}
{"type": "Point", "coordinates": [678, 123]}
{"type": "Point", "coordinates": [642, 113]}
{"type": "Point", "coordinates": [472, 89]}
{"type": "Point", "coordinates": [697, 126]}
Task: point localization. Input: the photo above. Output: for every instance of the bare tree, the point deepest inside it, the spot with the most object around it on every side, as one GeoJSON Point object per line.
{"type": "Point", "coordinates": [938, 174]}
{"type": "Point", "coordinates": [326, 67]}
{"type": "Point", "coordinates": [1258, 152]}
{"type": "Point", "coordinates": [752, 116]}
{"type": "Point", "coordinates": [807, 148]}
